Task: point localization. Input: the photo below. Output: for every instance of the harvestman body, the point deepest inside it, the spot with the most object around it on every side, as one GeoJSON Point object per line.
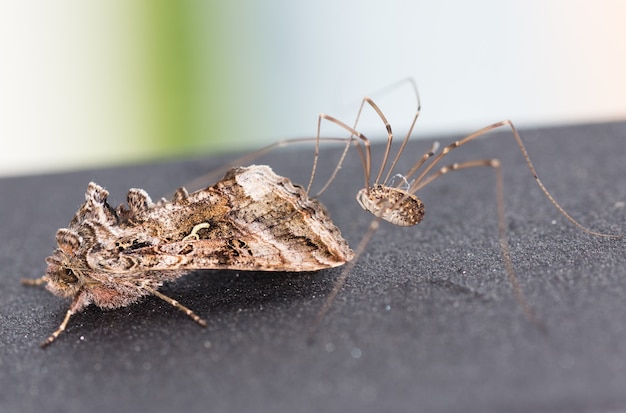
{"type": "Point", "coordinates": [399, 205]}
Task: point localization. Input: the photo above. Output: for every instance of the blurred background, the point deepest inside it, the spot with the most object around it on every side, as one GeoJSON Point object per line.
{"type": "Point", "coordinates": [94, 83]}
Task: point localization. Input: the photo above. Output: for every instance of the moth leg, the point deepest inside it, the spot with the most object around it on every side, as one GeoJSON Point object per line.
{"type": "Point", "coordinates": [33, 281]}
{"type": "Point", "coordinates": [78, 303]}
{"type": "Point", "coordinates": [194, 231]}
{"type": "Point", "coordinates": [176, 304]}
{"type": "Point", "coordinates": [59, 330]}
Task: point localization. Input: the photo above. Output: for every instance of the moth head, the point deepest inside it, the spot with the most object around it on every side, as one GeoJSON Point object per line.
{"type": "Point", "coordinates": [64, 274]}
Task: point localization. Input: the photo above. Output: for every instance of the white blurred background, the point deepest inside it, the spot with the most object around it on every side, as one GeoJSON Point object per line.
{"type": "Point", "coordinates": [92, 83]}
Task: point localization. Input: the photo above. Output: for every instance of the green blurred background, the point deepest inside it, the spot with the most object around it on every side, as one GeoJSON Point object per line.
{"type": "Point", "coordinates": [92, 83]}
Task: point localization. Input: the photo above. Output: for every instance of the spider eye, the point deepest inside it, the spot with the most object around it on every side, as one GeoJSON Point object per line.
{"type": "Point", "coordinates": [68, 276]}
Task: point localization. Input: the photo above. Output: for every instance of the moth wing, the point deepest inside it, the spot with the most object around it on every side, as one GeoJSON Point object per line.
{"type": "Point", "coordinates": [253, 254]}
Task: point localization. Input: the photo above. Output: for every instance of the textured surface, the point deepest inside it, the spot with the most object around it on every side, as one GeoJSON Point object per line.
{"type": "Point", "coordinates": [425, 322]}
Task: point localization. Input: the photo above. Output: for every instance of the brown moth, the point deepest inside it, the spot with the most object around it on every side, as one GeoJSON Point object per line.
{"type": "Point", "coordinates": [252, 219]}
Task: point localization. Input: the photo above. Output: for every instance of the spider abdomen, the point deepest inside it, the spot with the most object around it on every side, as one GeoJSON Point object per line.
{"type": "Point", "coordinates": [394, 205]}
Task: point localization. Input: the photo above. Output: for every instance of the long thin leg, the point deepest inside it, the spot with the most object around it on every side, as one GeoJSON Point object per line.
{"type": "Point", "coordinates": [422, 180]}
{"type": "Point", "coordinates": [176, 304]}
{"type": "Point", "coordinates": [364, 153]}
{"type": "Point", "coordinates": [429, 154]}
{"type": "Point", "coordinates": [202, 180]}
{"type": "Point", "coordinates": [77, 305]}
{"type": "Point", "coordinates": [381, 115]}
{"type": "Point", "coordinates": [387, 127]}
{"type": "Point", "coordinates": [408, 135]}
{"type": "Point", "coordinates": [59, 330]}
{"type": "Point", "coordinates": [366, 157]}
{"type": "Point", "coordinates": [366, 162]}
{"type": "Point", "coordinates": [502, 237]}
{"type": "Point", "coordinates": [366, 143]}
{"type": "Point", "coordinates": [68, 314]}
{"type": "Point", "coordinates": [341, 280]}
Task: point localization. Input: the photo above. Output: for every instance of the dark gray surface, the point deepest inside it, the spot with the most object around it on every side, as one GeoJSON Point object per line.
{"type": "Point", "coordinates": [426, 322]}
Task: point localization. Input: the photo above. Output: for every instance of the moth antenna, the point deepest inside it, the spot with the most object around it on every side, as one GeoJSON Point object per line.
{"type": "Point", "coordinates": [33, 281]}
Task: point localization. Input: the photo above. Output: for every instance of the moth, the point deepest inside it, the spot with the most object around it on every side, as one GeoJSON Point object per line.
{"type": "Point", "coordinates": [252, 219]}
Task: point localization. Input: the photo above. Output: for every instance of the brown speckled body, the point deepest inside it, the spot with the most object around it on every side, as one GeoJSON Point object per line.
{"type": "Point", "coordinates": [392, 204]}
